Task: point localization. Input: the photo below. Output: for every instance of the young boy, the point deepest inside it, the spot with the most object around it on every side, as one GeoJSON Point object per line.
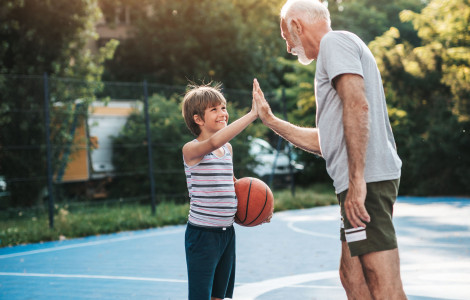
{"type": "Point", "coordinates": [210, 236]}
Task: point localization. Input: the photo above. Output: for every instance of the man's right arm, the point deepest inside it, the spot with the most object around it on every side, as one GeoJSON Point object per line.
{"type": "Point", "coordinates": [351, 90]}
{"type": "Point", "coordinates": [306, 139]}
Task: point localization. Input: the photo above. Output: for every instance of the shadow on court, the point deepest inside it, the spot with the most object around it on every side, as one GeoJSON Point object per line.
{"type": "Point", "coordinates": [296, 256]}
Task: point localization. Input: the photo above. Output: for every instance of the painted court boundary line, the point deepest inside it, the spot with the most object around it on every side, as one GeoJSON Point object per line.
{"type": "Point", "coordinates": [92, 277]}
{"type": "Point", "coordinates": [251, 291]}
{"type": "Point", "coordinates": [87, 244]}
{"type": "Point", "coordinates": [291, 226]}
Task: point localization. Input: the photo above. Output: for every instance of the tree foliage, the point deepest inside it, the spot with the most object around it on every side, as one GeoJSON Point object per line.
{"type": "Point", "coordinates": [226, 41]}
{"type": "Point", "coordinates": [38, 37]}
{"type": "Point", "coordinates": [426, 87]}
{"type": "Point", "coordinates": [371, 18]}
{"type": "Point", "coordinates": [444, 27]}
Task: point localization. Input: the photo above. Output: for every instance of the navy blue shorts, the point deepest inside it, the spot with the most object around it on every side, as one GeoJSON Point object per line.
{"type": "Point", "coordinates": [210, 258]}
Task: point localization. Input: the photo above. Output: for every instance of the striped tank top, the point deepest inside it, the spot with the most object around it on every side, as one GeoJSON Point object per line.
{"type": "Point", "coordinates": [213, 202]}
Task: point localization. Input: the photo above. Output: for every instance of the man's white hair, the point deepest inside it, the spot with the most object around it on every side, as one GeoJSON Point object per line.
{"type": "Point", "coordinates": [309, 11]}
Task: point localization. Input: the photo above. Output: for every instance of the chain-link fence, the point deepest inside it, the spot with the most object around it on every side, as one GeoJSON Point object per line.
{"type": "Point", "coordinates": [82, 142]}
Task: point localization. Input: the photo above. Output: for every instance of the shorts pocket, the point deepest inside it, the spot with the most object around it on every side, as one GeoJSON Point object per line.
{"type": "Point", "coordinates": [192, 238]}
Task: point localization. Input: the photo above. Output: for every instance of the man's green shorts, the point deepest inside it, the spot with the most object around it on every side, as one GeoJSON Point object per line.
{"type": "Point", "coordinates": [379, 234]}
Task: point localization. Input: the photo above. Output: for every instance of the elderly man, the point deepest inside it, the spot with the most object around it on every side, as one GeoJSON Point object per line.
{"type": "Point", "coordinates": [354, 136]}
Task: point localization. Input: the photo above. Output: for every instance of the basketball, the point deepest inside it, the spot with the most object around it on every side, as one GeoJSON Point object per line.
{"type": "Point", "coordinates": [255, 201]}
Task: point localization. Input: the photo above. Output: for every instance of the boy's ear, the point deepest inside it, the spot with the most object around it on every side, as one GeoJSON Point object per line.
{"type": "Point", "coordinates": [198, 120]}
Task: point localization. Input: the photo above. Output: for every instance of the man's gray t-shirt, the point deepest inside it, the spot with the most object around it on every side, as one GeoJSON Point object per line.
{"type": "Point", "coordinates": [343, 52]}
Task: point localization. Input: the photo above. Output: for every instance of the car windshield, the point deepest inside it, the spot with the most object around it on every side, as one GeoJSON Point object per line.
{"type": "Point", "coordinates": [260, 148]}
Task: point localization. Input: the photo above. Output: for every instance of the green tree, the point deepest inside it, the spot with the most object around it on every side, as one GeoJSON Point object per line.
{"type": "Point", "coordinates": [42, 37]}
{"type": "Point", "coordinates": [443, 27]}
{"type": "Point", "coordinates": [369, 19]}
{"type": "Point", "coordinates": [427, 84]}
{"type": "Point", "coordinates": [225, 41]}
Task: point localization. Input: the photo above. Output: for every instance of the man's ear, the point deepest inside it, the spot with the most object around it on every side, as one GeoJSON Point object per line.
{"type": "Point", "coordinates": [297, 26]}
{"type": "Point", "coordinates": [198, 120]}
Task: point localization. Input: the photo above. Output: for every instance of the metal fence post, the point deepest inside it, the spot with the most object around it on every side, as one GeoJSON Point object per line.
{"type": "Point", "coordinates": [48, 151]}
{"type": "Point", "coordinates": [271, 176]}
{"type": "Point", "coordinates": [289, 151]}
{"type": "Point", "coordinates": [149, 146]}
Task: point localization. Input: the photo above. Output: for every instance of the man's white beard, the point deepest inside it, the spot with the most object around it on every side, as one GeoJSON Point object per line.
{"type": "Point", "coordinates": [301, 56]}
{"type": "Point", "coordinates": [300, 51]}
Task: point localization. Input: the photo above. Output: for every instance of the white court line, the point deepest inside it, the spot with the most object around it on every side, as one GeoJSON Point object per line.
{"type": "Point", "coordinates": [440, 266]}
{"type": "Point", "coordinates": [250, 291]}
{"type": "Point", "coordinates": [112, 240]}
{"type": "Point", "coordinates": [291, 226]}
{"type": "Point", "coordinates": [253, 290]}
{"type": "Point", "coordinates": [93, 277]}
{"type": "Point", "coordinates": [313, 286]}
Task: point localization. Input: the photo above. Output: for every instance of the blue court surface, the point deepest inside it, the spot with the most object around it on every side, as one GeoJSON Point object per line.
{"type": "Point", "coordinates": [296, 256]}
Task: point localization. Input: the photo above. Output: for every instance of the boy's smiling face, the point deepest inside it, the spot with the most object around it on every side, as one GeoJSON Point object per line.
{"type": "Point", "coordinates": [215, 118]}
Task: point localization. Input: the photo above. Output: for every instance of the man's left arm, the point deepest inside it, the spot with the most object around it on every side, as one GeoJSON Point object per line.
{"type": "Point", "coordinates": [351, 90]}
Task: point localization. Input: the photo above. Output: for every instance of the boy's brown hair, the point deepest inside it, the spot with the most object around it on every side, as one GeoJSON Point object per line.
{"type": "Point", "coordinates": [195, 102]}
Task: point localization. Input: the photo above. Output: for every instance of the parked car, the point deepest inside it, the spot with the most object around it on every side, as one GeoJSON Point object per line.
{"type": "Point", "coordinates": [3, 190]}
{"type": "Point", "coordinates": [268, 158]}
{"type": "Point", "coordinates": [3, 184]}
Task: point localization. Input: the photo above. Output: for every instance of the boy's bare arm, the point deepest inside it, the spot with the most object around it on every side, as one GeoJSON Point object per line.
{"type": "Point", "coordinates": [306, 139]}
{"type": "Point", "coordinates": [194, 151]}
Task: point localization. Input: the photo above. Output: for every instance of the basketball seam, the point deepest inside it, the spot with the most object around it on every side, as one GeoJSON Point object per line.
{"type": "Point", "coordinates": [265, 201]}
{"type": "Point", "coordinates": [247, 202]}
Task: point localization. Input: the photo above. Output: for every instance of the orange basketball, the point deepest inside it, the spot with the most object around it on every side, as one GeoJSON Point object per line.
{"type": "Point", "coordinates": [255, 201]}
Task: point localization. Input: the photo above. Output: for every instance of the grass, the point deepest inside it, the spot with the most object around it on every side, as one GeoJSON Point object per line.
{"type": "Point", "coordinates": [32, 226]}
{"type": "Point", "coordinates": [318, 195]}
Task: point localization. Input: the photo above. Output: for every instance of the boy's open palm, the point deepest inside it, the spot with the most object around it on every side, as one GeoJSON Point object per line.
{"type": "Point", "coordinates": [254, 103]}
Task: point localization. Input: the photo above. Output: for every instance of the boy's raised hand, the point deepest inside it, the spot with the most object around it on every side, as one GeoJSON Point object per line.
{"type": "Point", "coordinates": [260, 103]}
{"type": "Point", "coordinates": [254, 104]}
